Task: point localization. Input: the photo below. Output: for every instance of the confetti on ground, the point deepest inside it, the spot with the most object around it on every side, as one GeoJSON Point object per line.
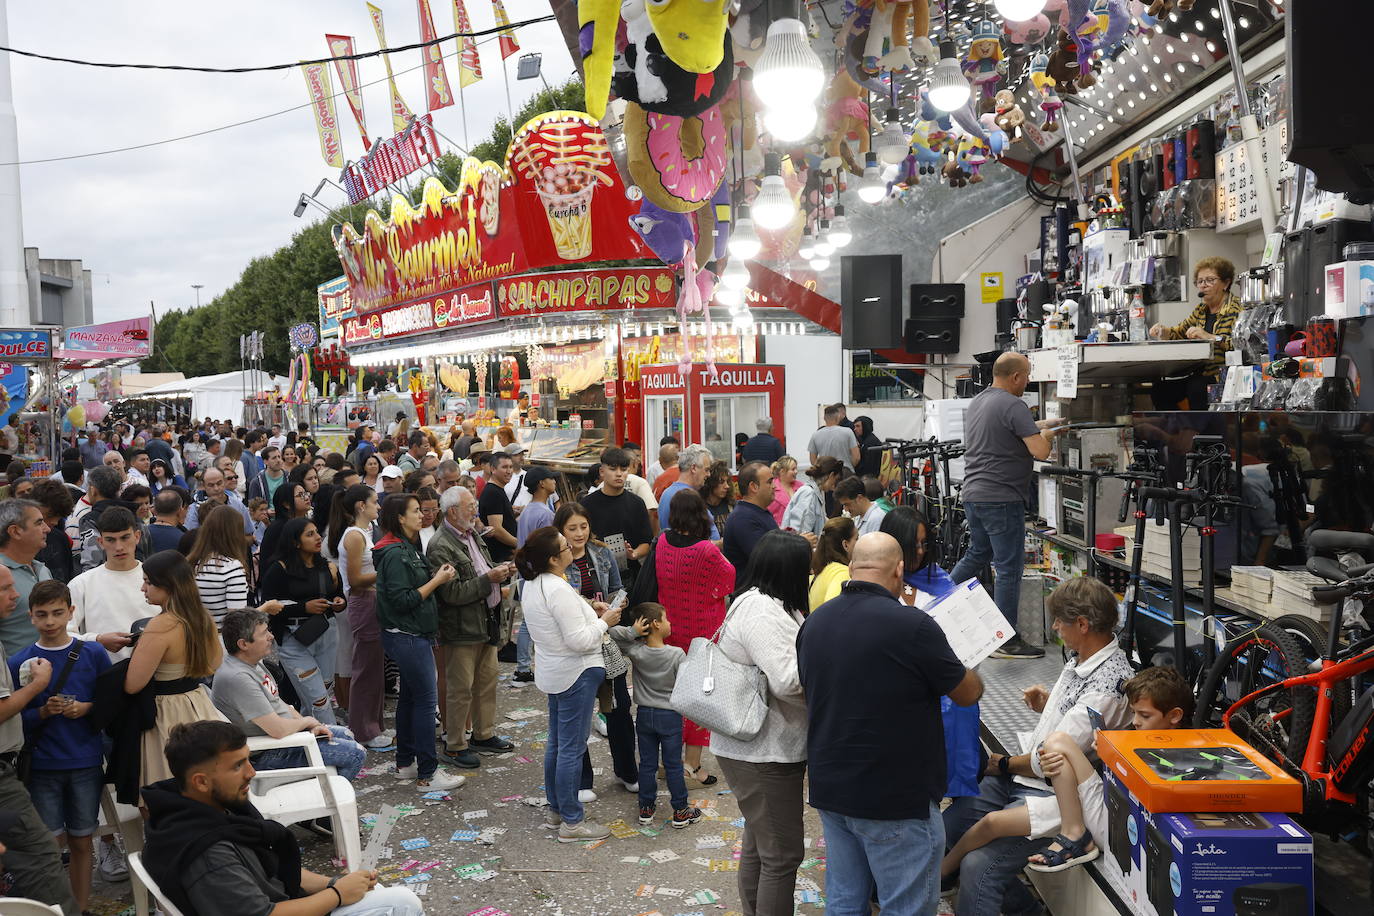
{"type": "Point", "coordinates": [416, 879]}
{"type": "Point", "coordinates": [463, 836]}
{"type": "Point", "coordinates": [523, 712]}
{"type": "Point", "coordinates": [418, 842]}
{"type": "Point", "coordinates": [645, 890]}
{"type": "Point", "coordinates": [469, 871]}
{"type": "Point", "coordinates": [488, 911]}
{"type": "Point", "coordinates": [621, 830]}
{"type": "Point", "coordinates": [663, 855]}
{"type": "Point", "coordinates": [669, 891]}
{"type": "Point", "coordinates": [474, 814]}
{"type": "Point", "coordinates": [724, 865]}
{"type": "Point", "coordinates": [705, 896]}
{"type": "Point", "coordinates": [444, 796]}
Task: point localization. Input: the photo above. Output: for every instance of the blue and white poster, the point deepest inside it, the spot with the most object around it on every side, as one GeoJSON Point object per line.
{"type": "Point", "coordinates": [14, 389]}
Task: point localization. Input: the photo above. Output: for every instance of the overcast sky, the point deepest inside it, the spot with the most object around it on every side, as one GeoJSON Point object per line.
{"type": "Point", "coordinates": [149, 223]}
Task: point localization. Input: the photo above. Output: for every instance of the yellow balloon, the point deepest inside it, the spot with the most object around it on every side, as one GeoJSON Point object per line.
{"type": "Point", "coordinates": [76, 415]}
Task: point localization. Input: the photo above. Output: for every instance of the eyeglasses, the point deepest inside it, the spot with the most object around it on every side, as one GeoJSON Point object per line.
{"type": "Point", "coordinates": [1206, 281]}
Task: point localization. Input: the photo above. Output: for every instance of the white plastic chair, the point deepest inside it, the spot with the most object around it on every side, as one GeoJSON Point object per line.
{"type": "Point", "coordinates": [140, 876]}
{"type": "Point", "coordinates": [127, 822]}
{"type": "Point", "coordinates": [296, 794]}
{"type": "Point", "coordinates": [23, 906]}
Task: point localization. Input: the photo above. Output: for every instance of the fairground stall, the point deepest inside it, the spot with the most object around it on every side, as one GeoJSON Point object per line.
{"type": "Point", "coordinates": [28, 393]}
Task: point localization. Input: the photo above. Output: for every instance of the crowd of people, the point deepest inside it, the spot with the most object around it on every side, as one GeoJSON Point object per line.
{"type": "Point", "coordinates": [170, 592]}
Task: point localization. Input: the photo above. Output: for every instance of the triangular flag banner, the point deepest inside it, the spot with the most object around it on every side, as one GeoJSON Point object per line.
{"type": "Point", "coordinates": [437, 92]}
{"type": "Point", "coordinates": [400, 112]}
{"type": "Point", "coordinates": [508, 43]}
{"type": "Point", "coordinates": [326, 122]}
{"type": "Point", "coordinates": [342, 46]}
{"type": "Point", "coordinates": [469, 63]}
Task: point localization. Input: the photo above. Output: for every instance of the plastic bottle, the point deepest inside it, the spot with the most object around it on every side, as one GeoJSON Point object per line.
{"type": "Point", "coordinates": [1138, 329]}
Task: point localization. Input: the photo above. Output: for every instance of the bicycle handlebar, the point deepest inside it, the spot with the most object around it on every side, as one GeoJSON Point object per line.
{"type": "Point", "coordinates": [1329, 594]}
{"type": "Point", "coordinates": [1055, 470]}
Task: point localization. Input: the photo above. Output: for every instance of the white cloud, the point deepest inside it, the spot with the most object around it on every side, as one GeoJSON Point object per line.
{"type": "Point", "coordinates": [149, 223]}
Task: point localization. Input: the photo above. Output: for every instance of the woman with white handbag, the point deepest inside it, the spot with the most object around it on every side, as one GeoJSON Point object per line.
{"type": "Point", "coordinates": [765, 772]}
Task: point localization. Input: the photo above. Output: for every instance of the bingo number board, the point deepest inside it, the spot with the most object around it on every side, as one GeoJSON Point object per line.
{"type": "Point", "coordinates": [1237, 188]}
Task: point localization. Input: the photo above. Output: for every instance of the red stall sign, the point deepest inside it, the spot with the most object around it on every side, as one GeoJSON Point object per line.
{"type": "Point", "coordinates": [464, 307]}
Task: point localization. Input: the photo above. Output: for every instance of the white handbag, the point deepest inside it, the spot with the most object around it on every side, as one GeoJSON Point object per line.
{"type": "Point", "coordinates": [721, 695]}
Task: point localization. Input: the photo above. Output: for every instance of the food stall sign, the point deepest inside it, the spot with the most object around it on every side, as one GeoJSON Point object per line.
{"type": "Point", "coordinates": [336, 304]}
{"type": "Point", "coordinates": [608, 289]}
{"type": "Point", "coordinates": [25, 344]}
{"type": "Point", "coordinates": [468, 306]}
{"type": "Point", "coordinates": [129, 339]}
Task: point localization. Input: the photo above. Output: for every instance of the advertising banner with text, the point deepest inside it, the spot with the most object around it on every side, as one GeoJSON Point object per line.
{"type": "Point", "coordinates": [605, 289]}
{"type": "Point", "coordinates": [472, 305]}
{"type": "Point", "coordinates": [130, 339]}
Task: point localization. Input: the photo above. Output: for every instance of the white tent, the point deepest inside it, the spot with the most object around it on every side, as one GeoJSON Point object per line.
{"type": "Point", "coordinates": [217, 396]}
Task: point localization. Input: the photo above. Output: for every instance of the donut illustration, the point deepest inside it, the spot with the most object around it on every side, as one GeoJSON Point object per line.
{"type": "Point", "coordinates": [678, 162]}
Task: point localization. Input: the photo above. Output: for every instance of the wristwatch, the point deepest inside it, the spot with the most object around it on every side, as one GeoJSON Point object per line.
{"type": "Point", "coordinates": [1004, 765]}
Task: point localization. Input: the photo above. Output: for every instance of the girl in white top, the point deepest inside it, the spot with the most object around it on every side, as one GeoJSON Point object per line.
{"type": "Point", "coordinates": [352, 515]}
{"type": "Point", "coordinates": [221, 563]}
{"type": "Point", "coordinates": [567, 631]}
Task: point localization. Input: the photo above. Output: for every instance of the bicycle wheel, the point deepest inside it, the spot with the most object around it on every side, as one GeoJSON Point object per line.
{"type": "Point", "coordinates": [1277, 724]}
{"type": "Point", "coordinates": [1311, 637]}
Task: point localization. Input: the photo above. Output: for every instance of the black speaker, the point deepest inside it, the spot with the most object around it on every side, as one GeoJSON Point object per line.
{"type": "Point", "coordinates": [932, 335]}
{"type": "Point", "coordinates": [1321, 133]}
{"type": "Point", "coordinates": [937, 300]}
{"type": "Point", "coordinates": [1306, 254]}
{"type": "Point", "coordinates": [1140, 194]}
{"type": "Point", "coordinates": [1006, 314]}
{"type": "Point", "coordinates": [870, 301]}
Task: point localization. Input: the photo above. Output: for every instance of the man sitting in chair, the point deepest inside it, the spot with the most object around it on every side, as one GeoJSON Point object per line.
{"type": "Point", "coordinates": [210, 852]}
{"type": "Point", "coordinates": [246, 693]}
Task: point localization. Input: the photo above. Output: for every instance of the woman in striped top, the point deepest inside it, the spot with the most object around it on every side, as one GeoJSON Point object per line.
{"type": "Point", "coordinates": [220, 560]}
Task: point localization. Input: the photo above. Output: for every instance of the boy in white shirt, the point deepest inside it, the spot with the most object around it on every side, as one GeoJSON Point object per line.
{"type": "Point", "coordinates": [109, 598]}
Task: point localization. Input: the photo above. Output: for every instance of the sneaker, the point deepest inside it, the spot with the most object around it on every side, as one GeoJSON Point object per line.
{"type": "Point", "coordinates": [586, 796]}
{"type": "Point", "coordinates": [382, 742]}
{"type": "Point", "coordinates": [949, 885]}
{"type": "Point", "coordinates": [521, 678]}
{"type": "Point", "coordinates": [493, 745]}
{"type": "Point", "coordinates": [552, 819]}
{"type": "Point", "coordinates": [506, 653]}
{"type": "Point", "coordinates": [441, 781]}
{"type": "Point", "coordinates": [685, 817]}
{"type": "Point", "coordinates": [110, 862]}
{"type": "Point", "coordinates": [577, 833]}
{"type": "Point", "coordinates": [389, 732]}
{"type": "Point", "coordinates": [466, 758]}
{"type": "Point", "coordinates": [599, 723]}
{"type": "Point", "coordinates": [1016, 647]}
{"type": "Point", "coordinates": [630, 786]}
{"type": "Point", "coordinates": [410, 772]}
{"type": "Point", "coordinates": [646, 815]}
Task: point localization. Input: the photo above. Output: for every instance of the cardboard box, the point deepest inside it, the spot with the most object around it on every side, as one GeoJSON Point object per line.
{"type": "Point", "coordinates": [1349, 289]}
{"type": "Point", "coordinates": [1197, 769]}
{"type": "Point", "coordinates": [1204, 864]}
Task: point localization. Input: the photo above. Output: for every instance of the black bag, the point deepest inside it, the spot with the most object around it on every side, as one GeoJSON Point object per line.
{"type": "Point", "coordinates": [23, 764]}
{"type": "Point", "coordinates": [645, 586]}
{"type": "Point", "coordinates": [316, 625]}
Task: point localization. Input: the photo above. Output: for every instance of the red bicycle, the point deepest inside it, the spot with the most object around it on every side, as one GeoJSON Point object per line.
{"type": "Point", "coordinates": [1300, 695]}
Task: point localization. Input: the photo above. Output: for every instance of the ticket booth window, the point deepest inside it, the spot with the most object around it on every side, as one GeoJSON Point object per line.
{"type": "Point", "coordinates": [664, 417]}
{"type": "Point", "coordinates": [723, 416]}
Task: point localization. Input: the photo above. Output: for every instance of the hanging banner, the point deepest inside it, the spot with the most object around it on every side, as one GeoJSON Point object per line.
{"type": "Point", "coordinates": [336, 304]}
{"type": "Point", "coordinates": [322, 103]}
{"type": "Point", "coordinates": [400, 111]}
{"type": "Point", "coordinates": [609, 289]}
{"type": "Point", "coordinates": [508, 43]}
{"type": "Point", "coordinates": [392, 159]}
{"type": "Point", "coordinates": [535, 212]}
{"type": "Point", "coordinates": [469, 61]}
{"type": "Point", "coordinates": [25, 344]}
{"type": "Point", "coordinates": [342, 46]}
{"type": "Point", "coordinates": [14, 389]}
{"type": "Point", "coordinates": [437, 92]}
{"type": "Point", "coordinates": [459, 309]}
{"type": "Point", "coordinates": [130, 339]}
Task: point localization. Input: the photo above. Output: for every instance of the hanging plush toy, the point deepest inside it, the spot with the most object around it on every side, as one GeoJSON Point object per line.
{"type": "Point", "coordinates": [713, 226]}
{"type": "Point", "coordinates": [677, 162]}
{"type": "Point", "coordinates": [1008, 115]}
{"type": "Point", "coordinates": [1030, 32]}
{"type": "Point", "coordinates": [889, 45]}
{"type": "Point", "coordinates": [1164, 7]}
{"type": "Point", "coordinates": [667, 233]}
{"type": "Point", "coordinates": [982, 64]}
{"type": "Point", "coordinates": [645, 74]}
{"type": "Point", "coordinates": [846, 121]}
{"type": "Point", "coordinates": [1050, 102]}
{"type": "Point", "coordinates": [927, 147]}
{"type": "Point", "coordinates": [997, 138]}
{"type": "Point", "coordinates": [742, 147]}
{"type": "Point", "coordinates": [1062, 65]}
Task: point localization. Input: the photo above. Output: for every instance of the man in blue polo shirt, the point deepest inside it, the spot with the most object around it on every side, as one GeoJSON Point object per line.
{"type": "Point", "coordinates": [750, 519]}
{"type": "Point", "coordinates": [877, 769]}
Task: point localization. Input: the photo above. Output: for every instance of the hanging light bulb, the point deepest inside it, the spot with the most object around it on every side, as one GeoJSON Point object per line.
{"type": "Point", "coordinates": [788, 74]}
{"type": "Point", "coordinates": [840, 236]}
{"type": "Point", "coordinates": [773, 207]}
{"type": "Point", "coordinates": [727, 296]}
{"type": "Point", "coordinates": [807, 246]}
{"type": "Point", "coordinates": [891, 145]}
{"type": "Point", "coordinates": [871, 187]}
{"type": "Point", "coordinates": [1019, 10]}
{"type": "Point", "coordinates": [824, 247]}
{"type": "Point", "coordinates": [949, 90]}
{"type": "Point", "coordinates": [790, 122]}
{"type": "Point", "coordinates": [736, 275]}
{"type": "Point", "coordinates": [744, 241]}
{"type": "Point", "coordinates": [819, 264]}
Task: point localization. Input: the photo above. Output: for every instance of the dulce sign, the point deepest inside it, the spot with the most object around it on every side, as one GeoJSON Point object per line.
{"type": "Point", "coordinates": [464, 307]}
{"type": "Point", "coordinates": [25, 344]}
{"type": "Point", "coordinates": [608, 289]}
{"type": "Point", "coordinates": [535, 211]}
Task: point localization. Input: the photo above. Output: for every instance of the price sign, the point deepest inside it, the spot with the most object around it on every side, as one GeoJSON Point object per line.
{"type": "Point", "coordinates": [1066, 371]}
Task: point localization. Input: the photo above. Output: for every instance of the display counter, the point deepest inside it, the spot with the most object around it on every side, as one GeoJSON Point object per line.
{"type": "Point", "coordinates": [567, 450]}
{"type": "Point", "coordinates": [1118, 362]}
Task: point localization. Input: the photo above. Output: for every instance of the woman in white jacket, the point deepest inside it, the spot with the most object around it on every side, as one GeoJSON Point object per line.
{"type": "Point", "coordinates": [567, 632]}
{"type": "Point", "coordinates": [765, 773]}
{"type": "Point", "coordinates": [805, 511]}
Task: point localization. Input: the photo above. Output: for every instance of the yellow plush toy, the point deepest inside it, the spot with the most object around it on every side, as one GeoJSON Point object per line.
{"type": "Point", "coordinates": [597, 21]}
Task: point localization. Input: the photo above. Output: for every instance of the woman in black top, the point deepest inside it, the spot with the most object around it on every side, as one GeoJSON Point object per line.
{"type": "Point", "coordinates": [307, 635]}
{"type": "Point", "coordinates": [290, 501]}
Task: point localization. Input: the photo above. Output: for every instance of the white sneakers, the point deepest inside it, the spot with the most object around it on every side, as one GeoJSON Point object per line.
{"type": "Point", "coordinates": [577, 833]}
{"type": "Point", "coordinates": [382, 742]}
{"type": "Point", "coordinates": [441, 781]}
{"type": "Point", "coordinates": [110, 861]}
{"type": "Point", "coordinates": [586, 795]}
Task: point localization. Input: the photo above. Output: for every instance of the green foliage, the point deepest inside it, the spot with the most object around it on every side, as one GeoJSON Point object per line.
{"type": "Point", "coordinates": [277, 291]}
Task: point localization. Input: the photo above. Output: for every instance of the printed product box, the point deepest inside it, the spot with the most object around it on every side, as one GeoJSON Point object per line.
{"type": "Point", "coordinates": [1197, 769]}
{"type": "Point", "coordinates": [1349, 289]}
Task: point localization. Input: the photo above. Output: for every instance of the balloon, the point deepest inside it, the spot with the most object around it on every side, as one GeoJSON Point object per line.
{"type": "Point", "coordinates": [96, 411]}
{"type": "Point", "coordinates": [76, 415]}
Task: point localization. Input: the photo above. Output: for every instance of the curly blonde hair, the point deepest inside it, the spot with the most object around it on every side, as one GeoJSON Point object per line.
{"type": "Point", "coordinates": [1221, 266]}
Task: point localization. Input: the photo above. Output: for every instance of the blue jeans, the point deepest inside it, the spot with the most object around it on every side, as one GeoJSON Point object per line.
{"type": "Point", "coordinates": [988, 883]}
{"type": "Point", "coordinates": [524, 648]}
{"type": "Point", "coordinates": [660, 728]}
{"type": "Point", "coordinates": [311, 670]}
{"type": "Point", "coordinates": [902, 858]}
{"type": "Point", "coordinates": [997, 535]}
{"type": "Point", "coordinates": [68, 801]}
{"type": "Point", "coordinates": [418, 700]}
{"type": "Point", "coordinates": [343, 754]}
{"type": "Point", "coordinates": [570, 718]}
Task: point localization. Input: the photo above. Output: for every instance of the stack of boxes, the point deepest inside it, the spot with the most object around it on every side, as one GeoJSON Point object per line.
{"type": "Point", "coordinates": [1184, 837]}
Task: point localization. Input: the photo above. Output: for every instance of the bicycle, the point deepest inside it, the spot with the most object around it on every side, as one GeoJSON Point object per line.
{"type": "Point", "coordinates": [922, 463]}
{"type": "Point", "coordinates": [1311, 717]}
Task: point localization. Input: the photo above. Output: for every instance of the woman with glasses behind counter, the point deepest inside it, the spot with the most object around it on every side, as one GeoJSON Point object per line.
{"type": "Point", "coordinates": [1212, 319]}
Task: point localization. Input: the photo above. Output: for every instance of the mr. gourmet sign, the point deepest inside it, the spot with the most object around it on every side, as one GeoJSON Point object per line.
{"type": "Point", "coordinates": [537, 210]}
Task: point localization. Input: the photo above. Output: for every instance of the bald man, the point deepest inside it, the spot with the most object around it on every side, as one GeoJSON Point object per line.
{"type": "Point", "coordinates": [1003, 441]}
{"type": "Point", "coordinates": [874, 671]}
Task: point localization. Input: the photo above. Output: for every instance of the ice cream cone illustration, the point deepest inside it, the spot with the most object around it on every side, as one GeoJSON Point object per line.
{"type": "Point", "coordinates": [565, 158]}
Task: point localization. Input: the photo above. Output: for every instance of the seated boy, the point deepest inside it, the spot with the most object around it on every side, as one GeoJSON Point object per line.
{"type": "Point", "coordinates": [1159, 698]}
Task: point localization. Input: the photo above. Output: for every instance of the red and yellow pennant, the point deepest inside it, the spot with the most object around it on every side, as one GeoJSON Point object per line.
{"type": "Point", "coordinates": [469, 63]}
{"type": "Point", "coordinates": [342, 46]}
{"type": "Point", "coordinates": [400, 111]}
{"type": "Point", "coordinates": [508, 43]}
{"type": "Point", "coordinates": [437, 92]}
{"type": "Point", "coordinates": [322, 103]}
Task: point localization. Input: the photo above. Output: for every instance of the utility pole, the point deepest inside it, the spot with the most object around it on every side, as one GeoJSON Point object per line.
{"type": "Point", "coordinates": [14, 284]}
{"type": "Point", "coordinates": [197, 287]}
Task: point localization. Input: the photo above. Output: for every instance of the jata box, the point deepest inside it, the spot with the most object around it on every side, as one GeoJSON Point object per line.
{"type": "Point", "coordinates": [1197, 769]}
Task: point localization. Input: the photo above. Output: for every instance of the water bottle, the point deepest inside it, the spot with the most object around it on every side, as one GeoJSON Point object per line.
{"type": "Point", "coordinates": [1138, 329]}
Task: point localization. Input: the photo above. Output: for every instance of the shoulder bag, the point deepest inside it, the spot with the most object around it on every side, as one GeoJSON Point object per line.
{"type": "Point", "coordinates": [645, 586]}
{"type": "Point", "coordinates": [23, 764]}
{"type": "Point", "coordinates": [719, 694]}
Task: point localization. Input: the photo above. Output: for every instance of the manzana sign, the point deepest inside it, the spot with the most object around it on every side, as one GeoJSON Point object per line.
{"type": "Point", "coordinates": [130, 339]}
{"type": "Point", "coordinates": [535, 211]}
{"type": "Point", "coordinates": [466, 306]}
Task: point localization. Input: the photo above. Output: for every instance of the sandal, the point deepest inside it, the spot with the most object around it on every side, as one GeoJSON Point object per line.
{"type": "Point", "coordinates": [1069, 854]}
{"type": "Point", "coordinates": [710, 779]}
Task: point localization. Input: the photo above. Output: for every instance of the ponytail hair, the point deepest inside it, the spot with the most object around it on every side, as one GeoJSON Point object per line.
{"type": "Point", "coordinates": [541, 547]}
{"type": "Point", "coordinates": [343, 512]}
{"type": "Point", "coordinates": [830, 545]}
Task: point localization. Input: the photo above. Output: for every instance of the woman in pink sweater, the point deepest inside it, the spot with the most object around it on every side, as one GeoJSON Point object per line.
{"type": "Point", "coordinates": [694, 579]}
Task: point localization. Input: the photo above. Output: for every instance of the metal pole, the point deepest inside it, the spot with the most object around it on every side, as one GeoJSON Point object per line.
{"type": "Point", "coordinates": [14, 284]}
{"type": "Point", "coordinates": [1073, 170]}
{"type": "Point", "coordinates": [1249, 127]}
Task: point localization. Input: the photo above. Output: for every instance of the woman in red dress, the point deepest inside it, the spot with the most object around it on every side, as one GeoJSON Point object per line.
{"type": "Point", "coordinates": [694, 579]}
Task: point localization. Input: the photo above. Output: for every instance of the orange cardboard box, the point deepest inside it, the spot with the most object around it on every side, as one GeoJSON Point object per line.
{"type": "Point", "coordinates": [1197, 769]}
